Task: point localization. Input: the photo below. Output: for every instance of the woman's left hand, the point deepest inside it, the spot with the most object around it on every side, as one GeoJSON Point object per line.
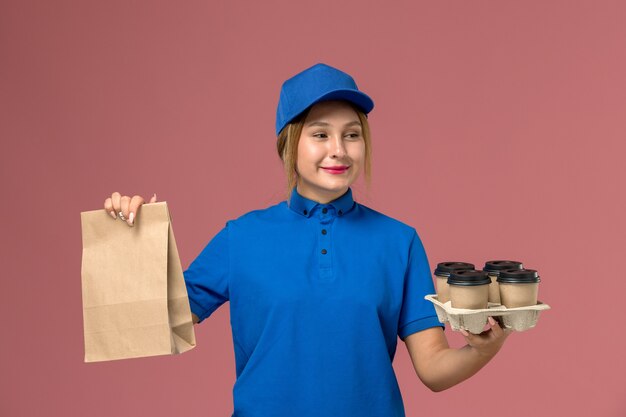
{"type": "Point", "coordinates": [489, 342]}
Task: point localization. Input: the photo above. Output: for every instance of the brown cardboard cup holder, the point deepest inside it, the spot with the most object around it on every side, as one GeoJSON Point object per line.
{"type": "Point", "coordinates": [474, 320]}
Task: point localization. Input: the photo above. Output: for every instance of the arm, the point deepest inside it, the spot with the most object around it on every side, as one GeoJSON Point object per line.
{"type": "Point", "coordinates": [439, 367]}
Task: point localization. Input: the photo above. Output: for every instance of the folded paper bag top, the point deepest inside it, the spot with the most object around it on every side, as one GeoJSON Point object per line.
{"type": "Point", "coordinates": [135, 301]}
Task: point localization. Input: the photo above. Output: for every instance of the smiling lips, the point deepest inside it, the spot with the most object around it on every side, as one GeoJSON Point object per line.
{"type": "Point", "coordinates": [340, 169]}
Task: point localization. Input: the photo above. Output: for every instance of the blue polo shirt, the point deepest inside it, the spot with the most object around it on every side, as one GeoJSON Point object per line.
{"type": "Point", "coordinates": [319, 294]}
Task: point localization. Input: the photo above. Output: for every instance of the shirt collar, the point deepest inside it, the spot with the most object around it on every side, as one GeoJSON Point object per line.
{"type": "Point", "coordinates": [304, 206]}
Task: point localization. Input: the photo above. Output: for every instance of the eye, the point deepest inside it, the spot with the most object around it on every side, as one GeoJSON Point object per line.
{"type": "Point", "coordinates": [353, 136]}
{"type": "Point", "coordinates": [320, 135]}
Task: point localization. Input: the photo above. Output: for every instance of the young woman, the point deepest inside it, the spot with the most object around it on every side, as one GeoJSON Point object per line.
{"type": "Point", "coordinates": [320, 286]}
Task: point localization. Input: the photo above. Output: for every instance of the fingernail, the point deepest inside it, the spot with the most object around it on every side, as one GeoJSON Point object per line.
{"type": "Point", "coordinates": [464, 333]}
{"type": "Point", "coordinates": [131, 217]}
{"type": "Point", "coordinates": [491, 321]}
{"type": "Point", "coordinates": [112, 213]}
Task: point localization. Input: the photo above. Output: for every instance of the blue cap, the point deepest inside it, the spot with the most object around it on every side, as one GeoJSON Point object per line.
{"type": "Point", "coordinates": [321, 82]}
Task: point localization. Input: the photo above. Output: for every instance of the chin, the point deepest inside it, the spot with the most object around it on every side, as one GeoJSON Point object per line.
{"type": "Point", "coordinates": [337, 187]}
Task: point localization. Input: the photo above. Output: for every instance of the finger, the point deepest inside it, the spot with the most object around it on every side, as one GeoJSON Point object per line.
{"type": "Point", "coordinates": [134, 205]}
{"type": "Point", "coordinates": [495, 328]}
{"type": "Point", "coordinates": [108, 207]}
{"type": "Point", "coordinates": [115, 199]}
{"type": "Point", "coordinates": [153, 198]}
{"type": "Point", "coordinates": [470, 338]}
{"type": "Point", "coordinates": [125, 204]}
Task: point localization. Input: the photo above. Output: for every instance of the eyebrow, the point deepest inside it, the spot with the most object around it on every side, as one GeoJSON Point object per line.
{"type": "Point", "coordinates": [325, 124]}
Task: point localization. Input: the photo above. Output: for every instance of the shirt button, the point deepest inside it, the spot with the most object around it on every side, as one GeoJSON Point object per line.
{"type": "Point", "coordinates": [305, 212]}
{"type": "Point", "coordinates": [324, 252]}
{"type": "Point", "coordinates": [324, 210]}
{"type": "Point", "coordinates": [323, 231]}
{"type": "Point", "coordinates": [340, 212]}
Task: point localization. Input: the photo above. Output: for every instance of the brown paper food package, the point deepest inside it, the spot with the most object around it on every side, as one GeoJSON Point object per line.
{"type": "Point", "coordinates": [135, 301]}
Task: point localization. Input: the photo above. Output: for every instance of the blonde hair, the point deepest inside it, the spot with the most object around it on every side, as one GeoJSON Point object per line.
{"type": "Point", "coordinates": [287, 147]}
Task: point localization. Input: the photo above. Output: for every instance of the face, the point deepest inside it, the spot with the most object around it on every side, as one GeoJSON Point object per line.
{"type": "Point", "coordinates": [331, 151]}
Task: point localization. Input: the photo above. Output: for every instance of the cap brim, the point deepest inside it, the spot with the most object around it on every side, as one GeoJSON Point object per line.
{"type": "Point", "coordinates": [359, 99]}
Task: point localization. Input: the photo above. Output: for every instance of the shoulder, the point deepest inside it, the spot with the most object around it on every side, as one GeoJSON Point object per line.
{"type": "Point", "coordinates": [382, 221]}
{"type": "Point", "coordinates": [269, 215]}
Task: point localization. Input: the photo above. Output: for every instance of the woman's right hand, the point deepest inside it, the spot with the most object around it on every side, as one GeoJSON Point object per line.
{"type": "Point", "coordinates": [125, 207]}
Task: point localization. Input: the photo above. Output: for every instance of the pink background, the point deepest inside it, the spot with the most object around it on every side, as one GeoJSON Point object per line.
{"type": "Point", "coordinates": [498, 133]}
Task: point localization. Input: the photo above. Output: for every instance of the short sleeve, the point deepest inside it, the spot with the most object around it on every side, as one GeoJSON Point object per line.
{"type": "Point", "coordinates": [417, 313]}
{"type": "Point", "coordinates": [207, 278]}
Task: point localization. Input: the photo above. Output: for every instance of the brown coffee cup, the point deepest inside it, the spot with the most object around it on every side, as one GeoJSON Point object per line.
{"type": "Point", "coordinates": [442, 273]}
{"type": "Point", "coordinates": [518, 287]}
{"type": "Point", "coordinates": [493, 268]}
{"type": "Point", "coordinates": [469, 289]}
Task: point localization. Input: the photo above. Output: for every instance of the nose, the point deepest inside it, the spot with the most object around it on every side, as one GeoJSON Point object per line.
{"type": "Point", "coordinates": [337, 147]}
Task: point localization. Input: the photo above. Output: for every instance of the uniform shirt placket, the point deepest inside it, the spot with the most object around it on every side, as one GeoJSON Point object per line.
{"type": "Point", "coordinates": [326, 217]}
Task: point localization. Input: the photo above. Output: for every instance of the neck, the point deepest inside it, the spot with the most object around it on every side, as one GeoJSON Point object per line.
{"type": "Point", "coordinates": [322, 196]}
